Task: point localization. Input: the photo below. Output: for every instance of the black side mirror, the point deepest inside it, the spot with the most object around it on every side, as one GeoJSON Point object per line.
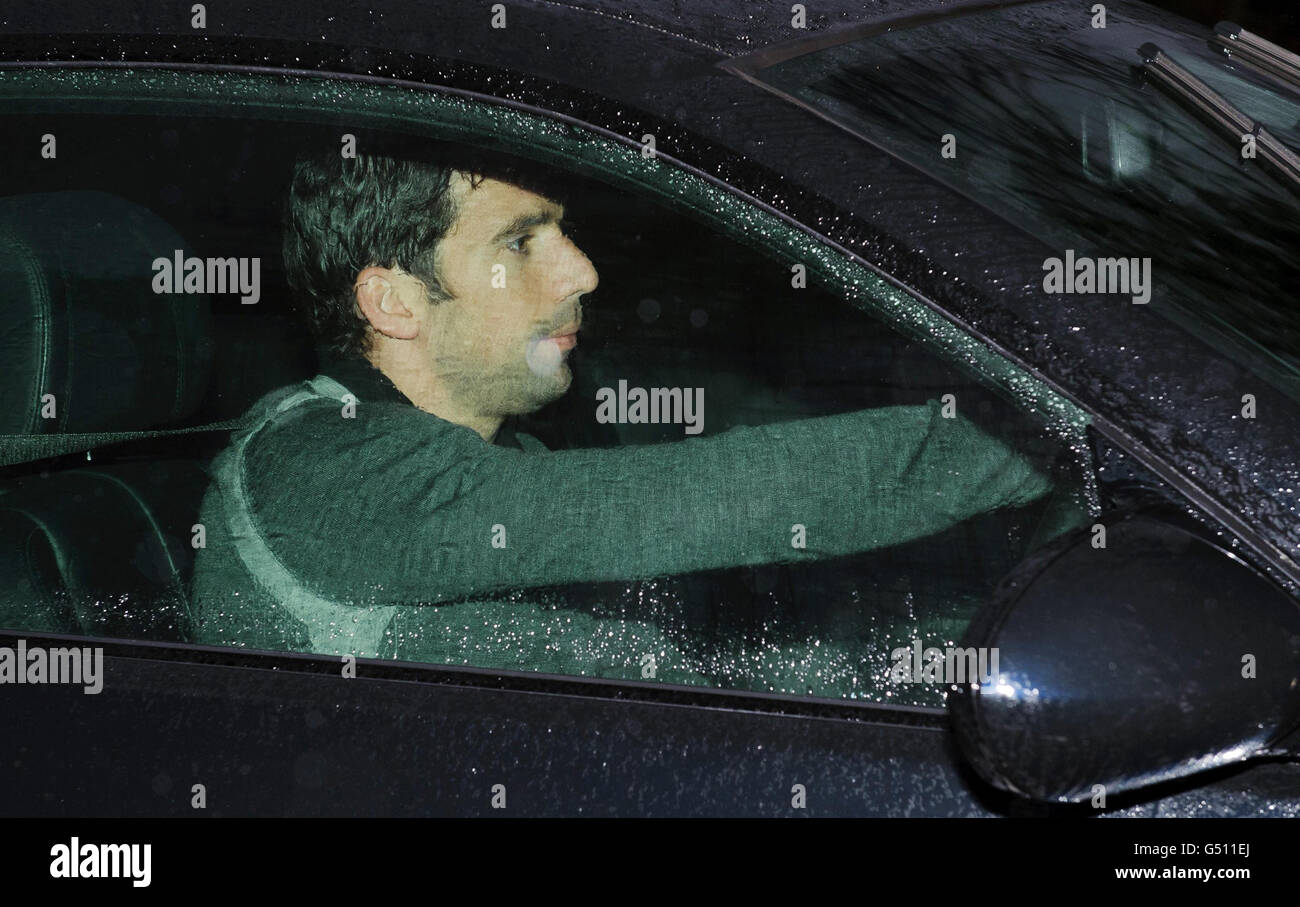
{"type": "Point", "coordinates": [1157, 656]}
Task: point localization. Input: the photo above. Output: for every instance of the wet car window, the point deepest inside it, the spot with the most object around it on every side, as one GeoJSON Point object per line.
{"type": "Point", "coordinates": [1046, 119]}
{"type": "Point", "coordinates": [760, 468]}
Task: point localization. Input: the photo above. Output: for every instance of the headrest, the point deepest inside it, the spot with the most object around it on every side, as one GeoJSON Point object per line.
{"type": "Point", "coordinates": [79, 318]}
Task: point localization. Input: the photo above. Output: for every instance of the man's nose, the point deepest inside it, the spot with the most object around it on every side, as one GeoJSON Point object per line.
{"type": "Point", "coordinates": [577, 275]}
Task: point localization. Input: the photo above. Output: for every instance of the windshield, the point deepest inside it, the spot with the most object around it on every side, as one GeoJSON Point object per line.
{"type": "Point", "coordinates": [1053, 126]}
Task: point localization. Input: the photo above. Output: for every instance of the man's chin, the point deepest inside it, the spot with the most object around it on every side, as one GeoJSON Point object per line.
{"type": "Point", "coordinates": [557, 387]}
{"type": "Point", "coordinates": [544, 389]}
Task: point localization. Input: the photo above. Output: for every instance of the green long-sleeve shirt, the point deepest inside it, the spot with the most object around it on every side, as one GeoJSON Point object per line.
{"type": "Point", "coordinates": [379, 529]}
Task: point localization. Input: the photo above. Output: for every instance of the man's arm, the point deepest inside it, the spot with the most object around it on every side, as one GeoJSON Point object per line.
{"type": "Point", "coordinates": [403, 505]}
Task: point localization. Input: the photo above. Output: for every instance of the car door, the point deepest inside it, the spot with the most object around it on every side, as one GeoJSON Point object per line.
{"type": "Point", "coordinates": [794, 698]}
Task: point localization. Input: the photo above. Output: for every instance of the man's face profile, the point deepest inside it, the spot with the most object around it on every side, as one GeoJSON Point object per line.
{"type": "Point", "coordinates": [500, 345]}
{"type": "Point", "coordinates": [502, 341]}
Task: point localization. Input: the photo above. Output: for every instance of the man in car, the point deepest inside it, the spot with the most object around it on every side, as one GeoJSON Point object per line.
{"type": "Point", "coordinates": [388, 507]}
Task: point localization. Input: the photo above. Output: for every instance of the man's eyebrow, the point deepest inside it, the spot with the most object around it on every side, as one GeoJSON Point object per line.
{"type": "Point", "coordinates": [528, 221]}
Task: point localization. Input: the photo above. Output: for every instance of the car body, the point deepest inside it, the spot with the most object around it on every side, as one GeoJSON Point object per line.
{"type": "Point", "coordinates": [288, 733]}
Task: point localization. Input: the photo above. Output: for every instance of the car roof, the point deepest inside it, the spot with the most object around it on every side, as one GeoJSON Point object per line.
{"type": "Point", "coordinates": [723, 26]}
{"type": "Point", "coordinates": [734, 27]}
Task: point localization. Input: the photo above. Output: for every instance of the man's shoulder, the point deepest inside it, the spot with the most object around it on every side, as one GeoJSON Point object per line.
{"type": "Point", "coordinates": [320, 422]}
{"type": "Point", "coordinates": [287, 410]}
{"type": "Point", "coordinates": [323, 404]}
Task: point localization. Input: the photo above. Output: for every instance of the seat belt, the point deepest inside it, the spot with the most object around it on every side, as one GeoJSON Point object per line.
{"type": "Point", "coordinates": [329, 624]}
{"type": "Point", "coordinates": [15, 449]}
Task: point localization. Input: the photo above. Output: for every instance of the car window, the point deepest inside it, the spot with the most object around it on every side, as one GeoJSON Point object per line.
{"type": "Point", "coordinates": [832, 476]}
{"type": "Point", "coordinates": [1041, 116]}
{"type": "Point", "coordinates": [726, 319]}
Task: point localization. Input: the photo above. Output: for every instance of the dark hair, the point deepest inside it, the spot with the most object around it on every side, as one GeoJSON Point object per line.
{"type": "Point", "coordinates": [346, 214]}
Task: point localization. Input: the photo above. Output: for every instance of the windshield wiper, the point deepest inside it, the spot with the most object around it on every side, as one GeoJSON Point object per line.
{"type": "Point", "coordinates": [1257, 53]}
{"type": "Point", "coordinates": [1221, 113]}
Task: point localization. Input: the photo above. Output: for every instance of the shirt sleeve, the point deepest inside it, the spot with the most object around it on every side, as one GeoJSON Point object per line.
{"type": "Point", "coordinates": [396, 506]}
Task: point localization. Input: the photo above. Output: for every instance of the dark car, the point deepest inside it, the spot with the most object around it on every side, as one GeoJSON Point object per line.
{"type": "Point", "coordinates": [1031, 217]}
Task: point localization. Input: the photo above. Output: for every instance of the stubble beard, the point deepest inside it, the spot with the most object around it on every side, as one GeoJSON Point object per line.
{"type": "Point", "coordinates": [516, 389]}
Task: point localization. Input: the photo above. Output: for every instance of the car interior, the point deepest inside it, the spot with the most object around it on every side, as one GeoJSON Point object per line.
{"type": "Point", "coordinates": [99, 542]}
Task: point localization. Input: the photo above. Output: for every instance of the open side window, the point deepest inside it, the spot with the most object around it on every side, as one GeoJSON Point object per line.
{"type": "Point", "coordinates": [701, 293]}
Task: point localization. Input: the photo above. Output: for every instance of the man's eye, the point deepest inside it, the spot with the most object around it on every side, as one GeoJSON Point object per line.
{"type": "Point", "coordinates": [518, 243]}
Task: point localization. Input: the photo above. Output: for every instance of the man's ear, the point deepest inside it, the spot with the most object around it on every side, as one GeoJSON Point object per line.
{"type": "Point", "coordinates": [390, 300]}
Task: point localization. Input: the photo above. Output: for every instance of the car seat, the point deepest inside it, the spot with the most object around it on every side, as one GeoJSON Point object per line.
{"type": "Point", "coordinates": [86, 345]}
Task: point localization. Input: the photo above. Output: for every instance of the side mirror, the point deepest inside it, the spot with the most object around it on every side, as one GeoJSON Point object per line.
{"type": "Point", "coordinates": [1158, 656]}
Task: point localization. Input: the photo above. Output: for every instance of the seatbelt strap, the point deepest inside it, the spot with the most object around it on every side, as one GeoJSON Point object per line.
{"type": "Point", "coordinates": [16, 449]}
{"type": "Point", "coordinates": [333, 628]}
